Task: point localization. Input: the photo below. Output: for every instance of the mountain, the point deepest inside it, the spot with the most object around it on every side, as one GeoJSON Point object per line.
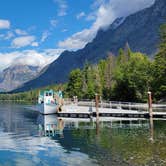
{"type": "Point", "coordinates": [140, 30]}
{"type": "Point", "coordinates": [14, 76]}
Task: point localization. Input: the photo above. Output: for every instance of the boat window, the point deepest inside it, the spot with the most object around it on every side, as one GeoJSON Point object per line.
{"type": "Point", "coordinates": [46, 94]}
{"type": "Point", "coordinates": [50, 94]}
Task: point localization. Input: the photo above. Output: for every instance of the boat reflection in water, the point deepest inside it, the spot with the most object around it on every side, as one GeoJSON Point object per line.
{"type": "Point", "coordinates": [51, 125]}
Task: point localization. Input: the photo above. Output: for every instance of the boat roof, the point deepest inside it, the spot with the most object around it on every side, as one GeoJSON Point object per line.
{"type": "Point", "coordinates": [42, 92]}
{"type": "Point", "coordinates": [46, 91]}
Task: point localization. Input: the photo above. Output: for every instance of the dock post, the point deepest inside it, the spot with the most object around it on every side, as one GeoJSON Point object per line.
{"type": "Point", "coordinates": [150, 104]}
{"type": "Point", "coordinates": [97, 126]}
{"type": "Point", "coordinates": [110, 104]}
{"type": "Point", "coordinates": [76, 100]}
{"type": "Point", "coordinates": [151, 129]}
{"type": "Point", "coordinates": [97, 105]}
{"type": "Point", "coordinates": [129, 106]}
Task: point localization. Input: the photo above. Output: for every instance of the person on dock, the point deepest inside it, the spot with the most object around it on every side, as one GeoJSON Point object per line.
{"type": "Point", "coordinates": [75, 99]}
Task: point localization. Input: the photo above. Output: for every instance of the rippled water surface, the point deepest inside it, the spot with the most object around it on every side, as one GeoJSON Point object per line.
{"type": "Point", "coordinates": [28, 138]}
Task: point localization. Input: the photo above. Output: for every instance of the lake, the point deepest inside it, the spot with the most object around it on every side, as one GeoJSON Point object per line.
{"type": "Point", "coordinates": [28, 138]}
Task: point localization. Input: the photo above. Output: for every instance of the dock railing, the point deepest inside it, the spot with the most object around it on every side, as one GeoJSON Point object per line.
{"type": "Point", "coordinates": [117, 105]}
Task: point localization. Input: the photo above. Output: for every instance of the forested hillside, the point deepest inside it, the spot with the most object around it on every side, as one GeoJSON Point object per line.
{"type": "Point", "coordinates": [126, 77]}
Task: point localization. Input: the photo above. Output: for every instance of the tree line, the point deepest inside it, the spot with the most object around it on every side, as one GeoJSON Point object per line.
{"type": "Point", "coordinates": [125, 77]}
{"type": "Point", "coordinates": [29, 96]}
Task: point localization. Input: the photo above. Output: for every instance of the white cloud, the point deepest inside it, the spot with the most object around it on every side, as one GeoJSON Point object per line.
{"type": "Point", "coordinates": [33, 146]}
{"type": "Point", "coordinates": [23, 41]}
{"type": "Point", "coordinates": [29, 57]}
{"type": "Point", "coordinates": [107, 11]}
{"type": "Point", "coordinates": [52, 54]}
{"type": "Point", "coordinates": [62, 7]}
{"type": "Point", "coordinates": [45, 35]}
{"type": "Point", "coordinates": [35, 44]}
{"type": "Point", "coordinates": [80, 15]}
{"type": "Point", "coordinates": [78, 40]}
{"type": "Point", "coordinates": [9, 35]}
{"type": "Point", "coordinates": [20, 32]}
{"type": "Point", "coordinates": [33, 58]}
{"type": "Point", "coordinates": [64, 30]}
{"type": "Point", "coordinates": [53, 22]}
{"type": "Point", "coordinates": [6, 36]}
{"type": "Point", "coordinates": [4, 24]}
{"type": "Point", "coordinates": [91, 16]}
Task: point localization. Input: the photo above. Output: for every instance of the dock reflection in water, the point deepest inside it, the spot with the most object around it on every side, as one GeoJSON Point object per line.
{"type": "Point", "coordinates": [28, 138]}
{"type": "Point", "coordinates": [51, 125]}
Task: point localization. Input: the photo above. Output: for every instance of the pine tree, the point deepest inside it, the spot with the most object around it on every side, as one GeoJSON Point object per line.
{"type": "Point", "coordinates": [74, 87]}
{"type": "Point", "coordinates": [97, 80]}
{"type": "Point", "coordinates": [110, 66]}
{"type": "Point", "coordinates": [108, 75]}
{"type": "Point", "coordinates": [159, 67]}
{"type": "Point", "coordinates": [127, 51]}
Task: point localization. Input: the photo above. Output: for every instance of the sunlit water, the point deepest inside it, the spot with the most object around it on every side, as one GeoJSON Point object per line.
{"type": "Point", "coordinates": [28, 138]}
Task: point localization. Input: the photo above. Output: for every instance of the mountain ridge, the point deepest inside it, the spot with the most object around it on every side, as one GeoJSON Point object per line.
{"type": "Point", "coordinates": [140, 30]}
{"type": "Point", "coordinates": [15, 75]}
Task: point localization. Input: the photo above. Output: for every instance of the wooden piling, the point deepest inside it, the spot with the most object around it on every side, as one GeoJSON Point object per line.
{"type": "Point", "coordinates": [151, 129]}
{"type": "Point", "coordinates": [97, 113]}
{"type": "Point", "coordinates": [150, 104]}
{"type": "Point", "coordinates": [97, 105]}
{"type": "Point", "coordinates": [97, 126]}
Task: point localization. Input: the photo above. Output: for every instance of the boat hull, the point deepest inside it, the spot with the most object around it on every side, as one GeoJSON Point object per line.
{"type": "Point", "coordinates": [47, 108]}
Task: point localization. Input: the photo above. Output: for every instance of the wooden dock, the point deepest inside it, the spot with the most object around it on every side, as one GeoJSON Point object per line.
{"type": "Point", "coordinates": [87, 110]}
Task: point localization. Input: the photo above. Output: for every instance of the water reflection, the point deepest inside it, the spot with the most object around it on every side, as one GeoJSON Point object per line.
{"type": "Point", "coordinates": [51, 125]}
{"type": "Point", "coordinates": [34, 139]}
{"type": "Point", "coordinates": [21, 144]}
{"type": "Point", "coordinates": [151, 129]}
{"type": "Point", "coordinates": [112, 141]}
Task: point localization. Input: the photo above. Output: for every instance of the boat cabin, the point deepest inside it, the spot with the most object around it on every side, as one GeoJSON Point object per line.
{"type": "Point", "coordinates": [46, 97]}
{"type": "Point", "coordinates": [50, 97]}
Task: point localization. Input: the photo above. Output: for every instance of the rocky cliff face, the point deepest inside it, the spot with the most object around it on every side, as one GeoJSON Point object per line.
{"type": "Point", "coordinates": [140, 30]}
{"type": "Point", "coordinates": [14, 76]}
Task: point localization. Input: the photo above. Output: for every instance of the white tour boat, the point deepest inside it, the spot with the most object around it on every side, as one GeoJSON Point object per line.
{"type": "Point", "coordinates": [49, 101]}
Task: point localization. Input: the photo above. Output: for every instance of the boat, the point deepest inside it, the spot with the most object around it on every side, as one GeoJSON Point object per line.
{"type": "Point", "coordinates": [49, 101]}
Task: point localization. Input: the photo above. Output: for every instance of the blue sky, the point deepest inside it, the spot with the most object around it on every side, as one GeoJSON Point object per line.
{"type": "Point", "coordinates": [44, 17]}
{"type": "Point", "coordinates": [37, 31]}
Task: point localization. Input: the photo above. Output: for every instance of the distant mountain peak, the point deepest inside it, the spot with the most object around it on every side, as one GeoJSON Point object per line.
{"type": "Point", "coordinates": [16, 75]}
